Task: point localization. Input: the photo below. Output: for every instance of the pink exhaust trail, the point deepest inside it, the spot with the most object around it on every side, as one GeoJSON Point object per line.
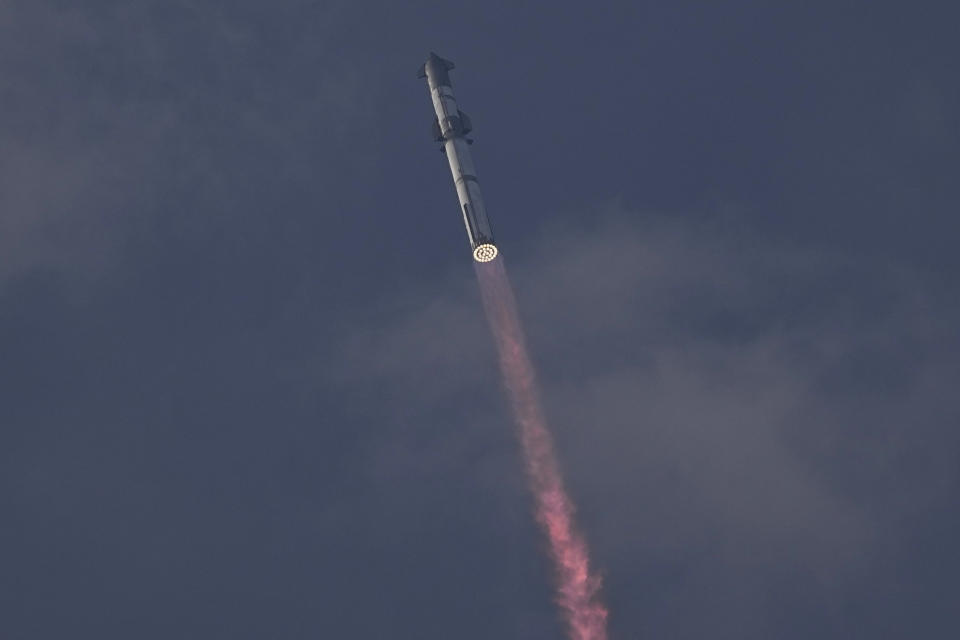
{"type": "Point", "coordinates": [577, 588]}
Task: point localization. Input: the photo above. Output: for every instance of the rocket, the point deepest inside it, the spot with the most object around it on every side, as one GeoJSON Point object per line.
{"type": "Point", "coordinates": [451, 127]}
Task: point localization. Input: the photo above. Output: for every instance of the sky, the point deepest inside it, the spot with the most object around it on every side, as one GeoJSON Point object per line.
{"type": "Point", "coordinates": [246, 386]}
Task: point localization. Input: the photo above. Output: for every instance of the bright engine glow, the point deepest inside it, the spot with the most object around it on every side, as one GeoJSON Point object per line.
{"type": "Point", "coordinates": [485, 253]}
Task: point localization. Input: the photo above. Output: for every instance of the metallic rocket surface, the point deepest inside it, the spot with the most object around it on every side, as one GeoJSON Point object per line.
{"type": "Point", "coordinates": [451, 128]}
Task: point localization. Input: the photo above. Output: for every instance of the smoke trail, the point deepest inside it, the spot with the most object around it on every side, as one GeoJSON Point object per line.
{"type": "Point", "coordinates": [577, 588]}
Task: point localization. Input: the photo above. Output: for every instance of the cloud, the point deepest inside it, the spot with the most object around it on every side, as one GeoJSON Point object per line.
{"type": "Point", "coordinates": [752, 420]}
{"type": "Point", "coordinates": [126, 121]}
{"type": "Point", "coordinates": [67, 154]}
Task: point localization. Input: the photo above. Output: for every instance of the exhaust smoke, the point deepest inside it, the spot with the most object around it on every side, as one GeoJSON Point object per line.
{"type": "Point", "coordinates": [577, 588]}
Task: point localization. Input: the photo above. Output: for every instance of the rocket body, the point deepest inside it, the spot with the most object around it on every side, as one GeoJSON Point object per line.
{"type": "Point", "coordinates": [451, 128]}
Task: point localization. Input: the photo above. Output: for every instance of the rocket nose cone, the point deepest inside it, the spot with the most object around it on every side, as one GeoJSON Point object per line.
{"type": "Point", "coordinates": [435, 70]}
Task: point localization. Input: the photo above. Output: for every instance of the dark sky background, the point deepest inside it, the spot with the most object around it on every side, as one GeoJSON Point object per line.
{"type": "Point", "coordinates": [246, 389]}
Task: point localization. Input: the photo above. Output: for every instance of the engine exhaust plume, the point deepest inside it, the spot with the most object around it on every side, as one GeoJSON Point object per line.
{"type": "Point", "coordinates": [577, 588]}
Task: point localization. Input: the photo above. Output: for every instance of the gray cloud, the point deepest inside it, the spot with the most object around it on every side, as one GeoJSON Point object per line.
{"type": "Point", "coordinates": [69, 154]}
{"type": "Point", "coordinates": [749, 421]}
{"type": "Point", "coordinates": [117, 114]}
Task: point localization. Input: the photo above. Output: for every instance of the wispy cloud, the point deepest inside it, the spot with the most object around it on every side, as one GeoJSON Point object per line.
{"type": "Point", "coordinates": [745, 417]}
{"type": "Point", "coordinates": [117, 117]}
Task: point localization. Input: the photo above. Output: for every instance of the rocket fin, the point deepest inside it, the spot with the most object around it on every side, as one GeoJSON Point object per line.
{"type": "Point", "coordinates": [446, 63]}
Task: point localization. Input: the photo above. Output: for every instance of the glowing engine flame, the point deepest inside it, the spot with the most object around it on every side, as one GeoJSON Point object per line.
{"type": "Point", "coordinates": [577, 588]}
{"type": "Point", "coordinates": [485, 253]}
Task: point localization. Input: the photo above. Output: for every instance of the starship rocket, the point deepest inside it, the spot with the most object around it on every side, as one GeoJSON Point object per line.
{"type": "Point", "coordinates": [451, 127]}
